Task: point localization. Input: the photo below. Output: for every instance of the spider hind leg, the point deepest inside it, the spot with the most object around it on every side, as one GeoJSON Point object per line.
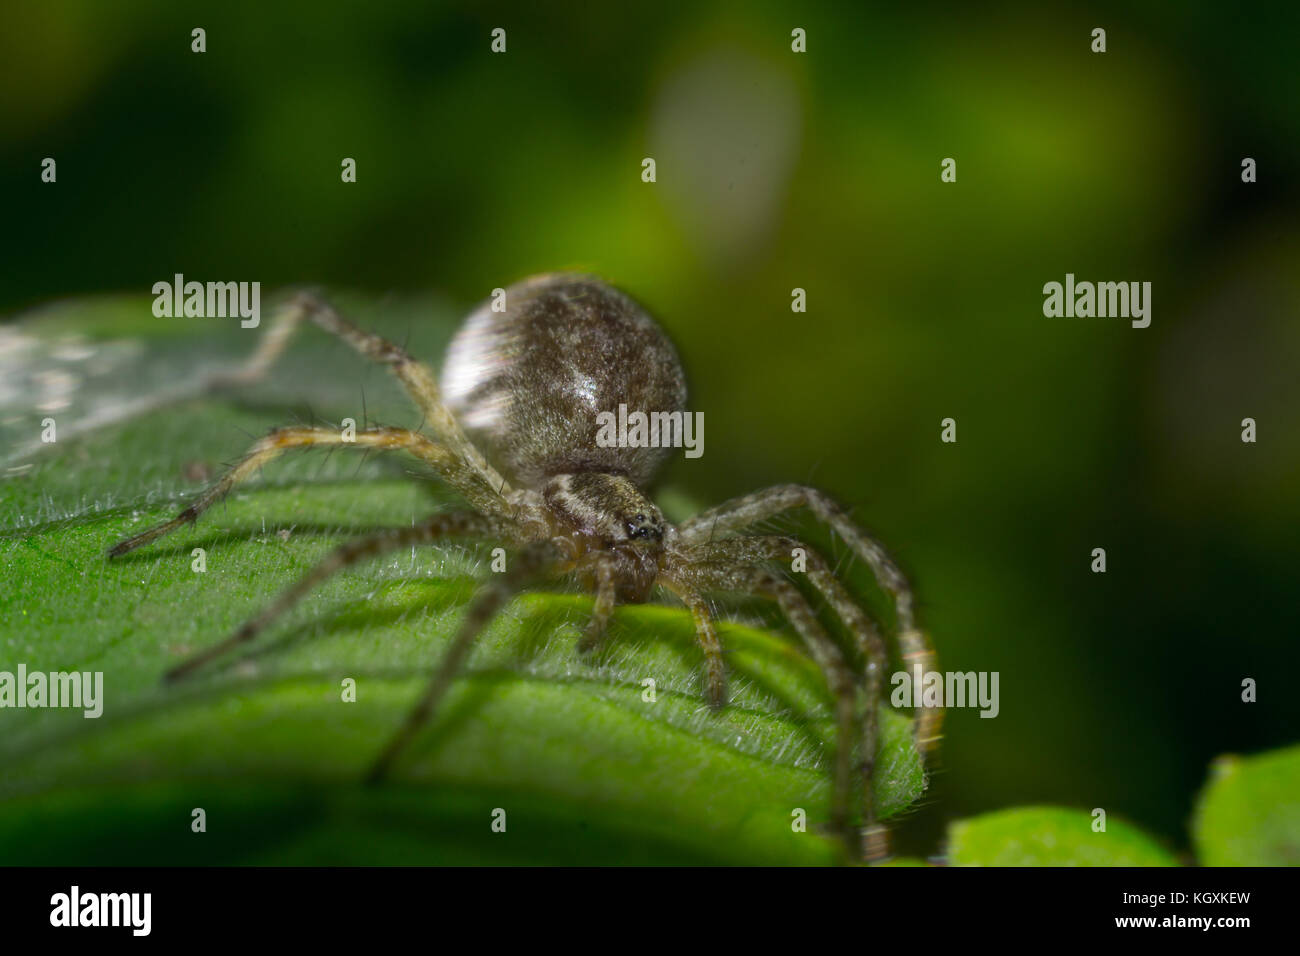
{"type": "Point", "coordinates": [417, 379]}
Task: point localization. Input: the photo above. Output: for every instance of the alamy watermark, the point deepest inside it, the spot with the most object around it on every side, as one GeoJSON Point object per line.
{"type": "Point", "coordinates": [651, 430]}
{"type": "Point", "coordinates": [80, 689]}
{"type": "Point", "coordinates": [75, 908]}
{"type": "Point", "coordinates": [216, 300]}
{"type": "Point", "coordinates": [950, 689]}
{"type": "Point", "coordinates": [1125, 300]}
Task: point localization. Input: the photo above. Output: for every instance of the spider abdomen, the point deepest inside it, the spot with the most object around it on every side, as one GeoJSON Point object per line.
{"type": "Point", "coordinates": [528, 383]}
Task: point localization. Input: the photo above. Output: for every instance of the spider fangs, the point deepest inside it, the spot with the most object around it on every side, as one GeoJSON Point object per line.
{"type": "Point", "coordinates": [526, 385]}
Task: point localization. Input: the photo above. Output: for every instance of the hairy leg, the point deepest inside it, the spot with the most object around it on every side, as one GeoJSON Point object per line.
{"type": "Point", "coordinates": [281, 440]}
{"type": "Point", "coordinates": [739, 513]}
{"type": "Point", "coordinates": [747, 550]}
{"type": "Point", "coordinates": [440, 526]}
{"type": "Point", "coordinates": [706, 635]}
{"type": "Point", "coordinates": [602, 572]}
{"type": "Point", "coordinates": [536, 559]}
{"type": "Point", "coordinates": [418, 379]}
{"type": "Point", "coordinates": [765, 583]}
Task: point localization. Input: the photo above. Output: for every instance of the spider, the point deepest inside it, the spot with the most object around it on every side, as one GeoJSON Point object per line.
{"type": "Point", "coordinates": [527, 384]}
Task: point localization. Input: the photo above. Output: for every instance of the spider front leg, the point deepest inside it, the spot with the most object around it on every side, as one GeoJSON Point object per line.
{"type": "Point", "coordinates": [778, 549]}
{"type": "Point", "coordinates": [691, 578]}
{"type": "Point", "coordinates": [739, 513]}
{"type": "Point", "coordinates": [602, 573]}
{"type": "Point", "coordinates": [840, 680]}
{"type": "Point", "coordinates": [706, 635]}
{"type": "Point", "coordinates": [440, 526]}
{"type": "Point", "coordinates": [536, 559]}
{"type": "Point", "coordinates": [281, 440]}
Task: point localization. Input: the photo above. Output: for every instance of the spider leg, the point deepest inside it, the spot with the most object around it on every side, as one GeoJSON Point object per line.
{"type": "Point", "coordinates": [603, 608]}
{"type": "Point", "coordinates": [866, 634]}
{"type": "Point", "coordinates": [351, 552]}
{"type": "Point", "coordinates": [532, 561]}
{"type": "Point", "coordinates": [739, 513]}
{"type": "Point", "coordinates": [281, 440]}
{"type": "Point", "coordinates": [763, 582]}
{"type": "Point", "coordinates": [706, 635]}
{"type": "Point", "coordinates": [417, 378]}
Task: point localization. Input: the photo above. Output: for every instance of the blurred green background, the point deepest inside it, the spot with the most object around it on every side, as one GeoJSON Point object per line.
{"type": "Point", "coordinates": [821, 171]}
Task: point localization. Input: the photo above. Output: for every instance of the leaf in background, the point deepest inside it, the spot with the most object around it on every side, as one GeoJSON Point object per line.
{"type": "Point", "coordinates": [1249, 812]}
{"type": "Point", "coordinates": [586, 770]}
{"type": "Point", "coordinates": [1051, 836]}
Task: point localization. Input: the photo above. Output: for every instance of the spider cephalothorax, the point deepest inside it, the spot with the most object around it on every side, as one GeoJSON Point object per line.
{"type": "Point", "coordinates": [605, 514]}
{"type": "Point", "coordinates": [515, 429]}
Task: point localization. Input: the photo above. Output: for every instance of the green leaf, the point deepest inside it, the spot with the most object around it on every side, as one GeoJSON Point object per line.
{"type": "Point", "coordinates": [1051, 836]}
{"type": "Point", "coordinates": [1249, 812]}
{"type": "Point", "coordinates": [586, 770]}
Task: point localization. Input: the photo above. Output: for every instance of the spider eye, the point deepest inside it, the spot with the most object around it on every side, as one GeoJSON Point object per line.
{"type": "Point", "coordinates": [638, 526]}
